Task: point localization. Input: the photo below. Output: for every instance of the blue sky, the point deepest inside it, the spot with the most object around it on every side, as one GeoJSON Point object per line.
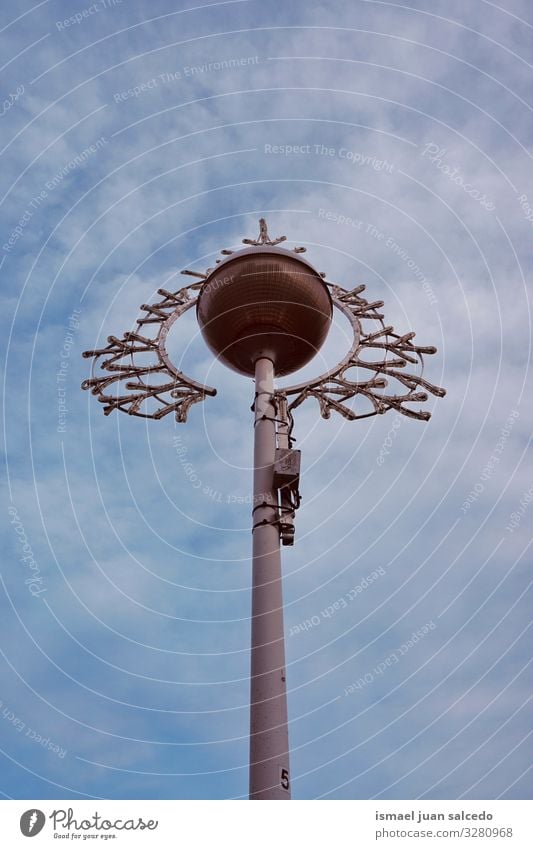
{"type": "Point", "coordinates": [125, 673]}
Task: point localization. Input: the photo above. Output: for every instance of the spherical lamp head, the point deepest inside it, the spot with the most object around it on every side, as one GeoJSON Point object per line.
{"type": "Point", "coordinates": [264, 302]}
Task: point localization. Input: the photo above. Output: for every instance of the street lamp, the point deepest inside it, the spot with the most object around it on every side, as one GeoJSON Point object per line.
{"type": "Point", "coordinates": [264, 311]}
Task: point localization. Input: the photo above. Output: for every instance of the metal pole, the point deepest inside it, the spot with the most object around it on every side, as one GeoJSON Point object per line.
{"type": "Point", "coordinates": [269, 738]}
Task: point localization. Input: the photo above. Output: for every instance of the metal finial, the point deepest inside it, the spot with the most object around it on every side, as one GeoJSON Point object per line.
{"type": "Point", "coordinates": [264, 238]}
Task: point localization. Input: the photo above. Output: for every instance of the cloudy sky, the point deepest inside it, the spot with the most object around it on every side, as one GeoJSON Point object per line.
{"type": "Point", "coordinates": [137, 139]}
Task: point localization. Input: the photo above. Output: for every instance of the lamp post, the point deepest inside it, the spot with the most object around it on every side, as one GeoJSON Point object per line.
{"type": "Point", "coordinates": [264, 311]}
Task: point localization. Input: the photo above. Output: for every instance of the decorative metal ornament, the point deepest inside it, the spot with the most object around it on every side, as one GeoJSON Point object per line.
{"type": "Point", "coordinates": [335, 386]}
{"type": "Point", "coordinates": [177, 392]}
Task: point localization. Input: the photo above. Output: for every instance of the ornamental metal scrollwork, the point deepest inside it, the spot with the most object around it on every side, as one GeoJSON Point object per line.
{"type": "Point", "coordinates": [334, 388]}
{"type": "Point", "coordinates": [171, 390]}
{"type": "Point", "coordinates": [177, 392]}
